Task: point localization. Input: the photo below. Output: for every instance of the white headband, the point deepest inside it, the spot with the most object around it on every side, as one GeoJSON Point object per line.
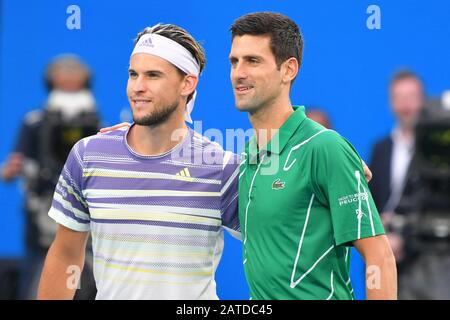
{"type": "Point", "coordinates": [174, 53]}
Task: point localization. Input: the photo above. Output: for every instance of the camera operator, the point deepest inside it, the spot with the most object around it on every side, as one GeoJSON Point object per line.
{"type": "Point", "coordinates": [45, 139]}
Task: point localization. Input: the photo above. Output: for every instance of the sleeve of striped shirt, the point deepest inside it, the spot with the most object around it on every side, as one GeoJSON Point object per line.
{"type": "Point", "coordinates": [229, 194]}
{"type": "Point", "coordinates": [69, 207]}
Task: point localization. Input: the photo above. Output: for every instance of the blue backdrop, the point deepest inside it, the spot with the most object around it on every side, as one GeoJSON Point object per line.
{"type": "Point", "coordinates": [345, 70]}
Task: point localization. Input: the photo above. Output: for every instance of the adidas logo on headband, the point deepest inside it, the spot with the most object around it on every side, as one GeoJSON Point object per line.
{"type": "Point", "coordinates": [147, 42]}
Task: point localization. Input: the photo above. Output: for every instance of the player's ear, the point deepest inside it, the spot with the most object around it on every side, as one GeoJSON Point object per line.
{"type": "Point", "coordinates": [289, 69]}
{"type": "Point", "coordinates": [189, 84]}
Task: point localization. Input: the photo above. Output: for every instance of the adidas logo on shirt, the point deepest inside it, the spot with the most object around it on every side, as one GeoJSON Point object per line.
{"type": "Point", "coordinates": [184, 173]}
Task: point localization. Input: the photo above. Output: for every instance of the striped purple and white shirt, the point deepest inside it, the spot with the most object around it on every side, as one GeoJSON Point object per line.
{"type": "Point", "coordinates": [156, 221]}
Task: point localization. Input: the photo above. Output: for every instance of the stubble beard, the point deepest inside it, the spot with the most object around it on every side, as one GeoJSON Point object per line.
{"type": "Point", "coordinates": [157, 116]}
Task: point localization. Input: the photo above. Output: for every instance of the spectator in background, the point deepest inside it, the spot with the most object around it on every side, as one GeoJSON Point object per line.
{"type": "Point", "coordinates": [319, 116]}
{"type": "Point", "coordinates": [45, 134]}
{"type": "Point", "coordinates": [391, 156]}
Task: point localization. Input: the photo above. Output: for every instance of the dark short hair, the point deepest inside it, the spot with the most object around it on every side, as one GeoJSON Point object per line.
{"type": "Point", "coordinates": [286, 40]}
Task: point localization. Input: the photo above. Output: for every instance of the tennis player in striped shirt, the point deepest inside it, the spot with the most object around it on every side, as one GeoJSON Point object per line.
{"type": "Point", "coordinates": [155, 197]}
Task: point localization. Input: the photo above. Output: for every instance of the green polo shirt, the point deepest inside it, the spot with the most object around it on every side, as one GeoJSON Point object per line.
{"type": "Point", "coordinates": [303, 199]}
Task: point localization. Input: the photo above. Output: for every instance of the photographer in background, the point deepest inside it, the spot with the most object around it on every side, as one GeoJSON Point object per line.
{"type": "Point", "coordinates": [45, 139]}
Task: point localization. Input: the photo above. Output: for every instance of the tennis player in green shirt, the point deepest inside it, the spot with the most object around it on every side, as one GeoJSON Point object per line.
{"type": "Point", "coordinates": [303, 199]}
